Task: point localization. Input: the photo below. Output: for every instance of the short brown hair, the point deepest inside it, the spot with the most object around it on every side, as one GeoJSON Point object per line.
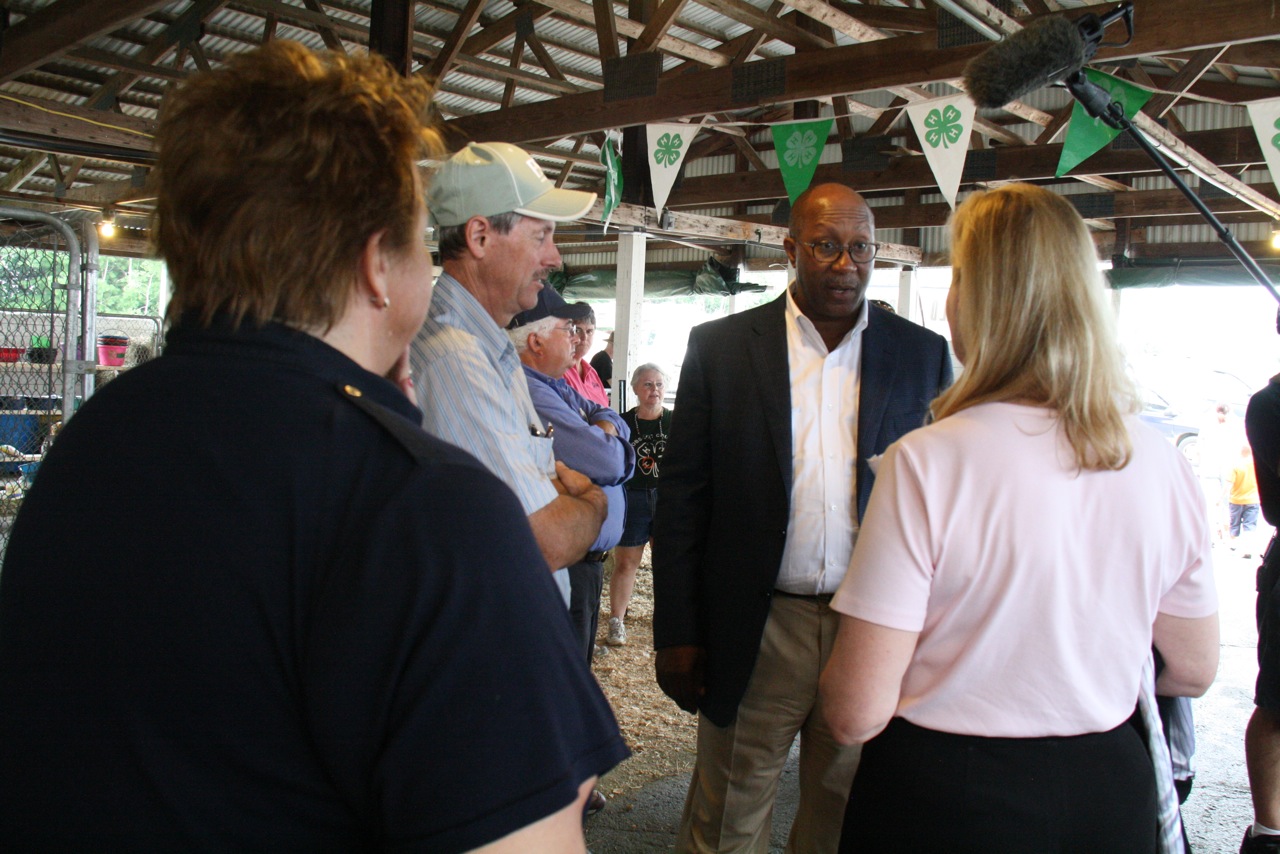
{"type": "Point", "coordinates": [273, 173]}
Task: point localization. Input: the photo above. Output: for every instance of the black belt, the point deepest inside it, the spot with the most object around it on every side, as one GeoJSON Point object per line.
{"type": "Point", "coordinates": [595, 557]}
{"type": "Point", "coordinates": [817, 597]}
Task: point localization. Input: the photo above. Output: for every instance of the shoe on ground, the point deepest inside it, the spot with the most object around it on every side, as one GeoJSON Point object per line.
{"type": "Point", "coordinates": [1258, 844]}
{"type": "Point", "coordinates": [617, 632]}
{"type": "Point", "coordinates": [597, 650]}
{"type": "Point", "coordinates": [595, 802]}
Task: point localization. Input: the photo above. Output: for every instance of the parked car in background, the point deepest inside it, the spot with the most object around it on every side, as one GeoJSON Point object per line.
{"type": "Point", "coordinates": [1182, 430]}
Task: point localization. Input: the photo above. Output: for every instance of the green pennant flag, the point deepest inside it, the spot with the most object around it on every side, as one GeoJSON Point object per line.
{"type": "Point", "coordinates": [1087, 135]}
{"type": "Point", "coordinates": [613, 175]}
{"type": "Point", "coordinates": [799, 147]}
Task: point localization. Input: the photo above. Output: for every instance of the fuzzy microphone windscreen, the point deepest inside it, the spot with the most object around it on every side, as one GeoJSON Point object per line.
{"type": "Point", "coordinates": [1045, 52]}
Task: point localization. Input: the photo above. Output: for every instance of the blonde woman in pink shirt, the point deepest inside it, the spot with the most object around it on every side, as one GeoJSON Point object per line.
{"type": "Point", "coordinates": [1019, 558]}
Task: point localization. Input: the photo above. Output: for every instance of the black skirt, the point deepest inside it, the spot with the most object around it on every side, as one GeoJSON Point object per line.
{"type": "Point", "coordinates": [919, 790]}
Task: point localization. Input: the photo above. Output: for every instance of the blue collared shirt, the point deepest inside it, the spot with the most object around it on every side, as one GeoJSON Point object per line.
{"type": "Point", "coordinates": [608, 460]}
{"type": "Point", "coordinates": [473, 395]}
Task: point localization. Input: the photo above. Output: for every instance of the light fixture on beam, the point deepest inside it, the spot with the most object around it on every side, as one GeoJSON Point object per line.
{"type": "Point", "coordinates": [107, 227]}
{"type": "Point", "coordinates": [1275, 237]}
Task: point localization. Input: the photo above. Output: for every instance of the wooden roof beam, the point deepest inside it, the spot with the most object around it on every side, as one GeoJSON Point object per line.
{"type": "Point", "coordinates": [325, 28]}
{"type": "Point", "coordinates": [606, 29]}
{"type": "Point", "coordinates": [185, 29]}
{"type": "Point", "coordinates": [657, 26]}
{"type": "Point", "coordinates": [61, 26]}
{"type": "Point", "coordinates": [453, 45]}
{"type": "Point", "coordinates": [1191, 72]}
{"type": "Point", "coordinates": [633, 30]}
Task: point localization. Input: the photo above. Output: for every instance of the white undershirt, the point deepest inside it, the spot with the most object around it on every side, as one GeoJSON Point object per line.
{"type": "Point", "coordinates": [823, 522]}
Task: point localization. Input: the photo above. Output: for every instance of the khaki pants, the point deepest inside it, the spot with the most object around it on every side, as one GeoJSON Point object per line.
{"type": "Point", "coordinates": [735, 779]}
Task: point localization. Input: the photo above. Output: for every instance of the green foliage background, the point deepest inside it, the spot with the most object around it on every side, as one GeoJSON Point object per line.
{"type": "Point", "coordinates": [125, 285]}
{"type": "Point", "coordinates": [129, 285]}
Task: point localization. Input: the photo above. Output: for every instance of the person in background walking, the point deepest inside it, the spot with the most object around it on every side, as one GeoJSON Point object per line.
{"type": "Point", "coordinates": [1242, 502]}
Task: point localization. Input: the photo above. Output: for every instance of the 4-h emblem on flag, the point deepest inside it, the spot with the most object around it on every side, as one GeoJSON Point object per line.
{"type": "Point", "coordinates": [799, 146]}
{"type": "Point", "coordinates": [668, 144]}
{"type": "Point", "coordinates": [944, 126]}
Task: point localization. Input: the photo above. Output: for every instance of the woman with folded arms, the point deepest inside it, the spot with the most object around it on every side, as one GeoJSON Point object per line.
{"type": "Point", "coordinates": [1020, 557]}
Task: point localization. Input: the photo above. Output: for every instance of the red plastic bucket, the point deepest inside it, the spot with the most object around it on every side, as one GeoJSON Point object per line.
{"type": "Point", "coordinates": [112, 349]}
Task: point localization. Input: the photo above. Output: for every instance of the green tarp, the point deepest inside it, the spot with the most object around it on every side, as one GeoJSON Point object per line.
{"type": "Point", "coordinates": [1219, 273]}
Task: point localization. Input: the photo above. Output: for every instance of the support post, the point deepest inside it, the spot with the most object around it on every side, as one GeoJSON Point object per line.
{"type": "Point", "coordinates": [630, 299]}
{"type": "Point", "coordinates": [908, 288]}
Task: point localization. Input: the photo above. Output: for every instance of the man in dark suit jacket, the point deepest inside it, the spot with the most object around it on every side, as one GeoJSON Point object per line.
{"type": "Point", "coordinates": [755, 524]}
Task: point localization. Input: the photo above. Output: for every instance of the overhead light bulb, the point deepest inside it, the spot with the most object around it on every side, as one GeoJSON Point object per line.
{"type": "Point", "coordinates": [107, 228]}
{"type": "Point", "coordinates": [1275, 238]}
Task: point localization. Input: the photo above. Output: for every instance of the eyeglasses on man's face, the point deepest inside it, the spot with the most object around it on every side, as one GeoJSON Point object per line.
{"type": "Point", "coordinates": [828, 251]}
{"type": "Point", "coordinates": [571, 328]}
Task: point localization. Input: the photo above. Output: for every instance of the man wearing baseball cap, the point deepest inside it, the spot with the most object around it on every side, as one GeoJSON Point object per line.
{"type": "Point", "coordinates": [495, 215]}
{"type": "Point", "coordinates": [590, 438]}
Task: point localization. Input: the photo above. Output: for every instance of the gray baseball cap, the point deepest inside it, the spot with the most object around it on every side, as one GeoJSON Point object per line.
{"type": "Point", "coordinates": [490, 178]}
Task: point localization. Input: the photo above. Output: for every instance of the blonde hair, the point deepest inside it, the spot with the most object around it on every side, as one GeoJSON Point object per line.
{"type": "Point", "coordinates": [1033, 322]}
{"type": "Point", "coordinates": [275, 170]}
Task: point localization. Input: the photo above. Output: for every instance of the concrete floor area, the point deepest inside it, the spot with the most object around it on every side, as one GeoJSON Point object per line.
{"type": "Point", "coordinates": [1215, 814]}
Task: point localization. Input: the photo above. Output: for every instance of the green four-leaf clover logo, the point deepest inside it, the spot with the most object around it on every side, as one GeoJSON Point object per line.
{"type": "Point", "coordinates": [1275, 140]}
{"type": "Point", "coordinates": [668, 150]}
{"type": "Point", "coordinates": [943, 127]}
{"type": "Point", "coordinates": [802, 147]}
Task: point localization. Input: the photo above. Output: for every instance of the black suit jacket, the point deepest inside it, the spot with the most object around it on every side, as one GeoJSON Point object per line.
{"type": "Point", "coordinates": [723, 498]}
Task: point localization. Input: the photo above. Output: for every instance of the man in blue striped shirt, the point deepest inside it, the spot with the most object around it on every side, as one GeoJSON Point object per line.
{"type": "Point", "coordinates": [495, 214]}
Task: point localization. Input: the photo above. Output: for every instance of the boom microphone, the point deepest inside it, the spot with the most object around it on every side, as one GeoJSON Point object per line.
{"type": "Point", "coordinates": [1046, 51]}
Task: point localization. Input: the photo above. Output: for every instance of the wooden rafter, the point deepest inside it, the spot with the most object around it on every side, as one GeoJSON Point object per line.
{"type": "Point", "coordinates": [568, 164]}
{"type": "Point", "coordinates": [606, 29]}
{"type": "Point", "coordinates": [1192, 71]}
{"type": "Point", "coordinates": [26, 167]}
{"type": "Point", "coordinates": [658, 25]}
{"type": "Point", "coordinates": [544, 56]}
{"type": "Point", "coordinates": [116, 62]}
{"type": "Point", "coordinates": [185, 30]}
{"type": "Point", "coordinates": [766, 22]}
{"type": "Point", "coordinates": [632, 29]}
{"type": "Point", "coordinates": [445, 58]}
{"type": "Point", "coordinates": [61, 26]}
{"type": "Point", "coordinates": [328, 34]}
{"type": "Point", "coordinates": [517, 56]}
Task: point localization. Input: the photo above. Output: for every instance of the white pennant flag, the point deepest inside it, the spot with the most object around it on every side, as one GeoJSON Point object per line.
{"type": "Point", "coordinates": [667, 146]}
{"type": "Point", "coordinates": [944, 127]}
{"type": "Point", "coordinates": [1265, 116]}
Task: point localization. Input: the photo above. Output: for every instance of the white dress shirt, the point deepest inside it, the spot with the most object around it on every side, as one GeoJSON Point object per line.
{"type": "Point", "coordinates": [823, 522]}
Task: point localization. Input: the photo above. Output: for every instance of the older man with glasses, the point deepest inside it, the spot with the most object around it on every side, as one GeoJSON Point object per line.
{"type": "Point", "coordinates": [764, 481]}
{"type": "Point", "coordinates": [589, 438]}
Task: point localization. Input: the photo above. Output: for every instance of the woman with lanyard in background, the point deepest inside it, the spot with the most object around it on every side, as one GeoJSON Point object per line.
{"type": "Point", "coordinates": [650, 423]}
